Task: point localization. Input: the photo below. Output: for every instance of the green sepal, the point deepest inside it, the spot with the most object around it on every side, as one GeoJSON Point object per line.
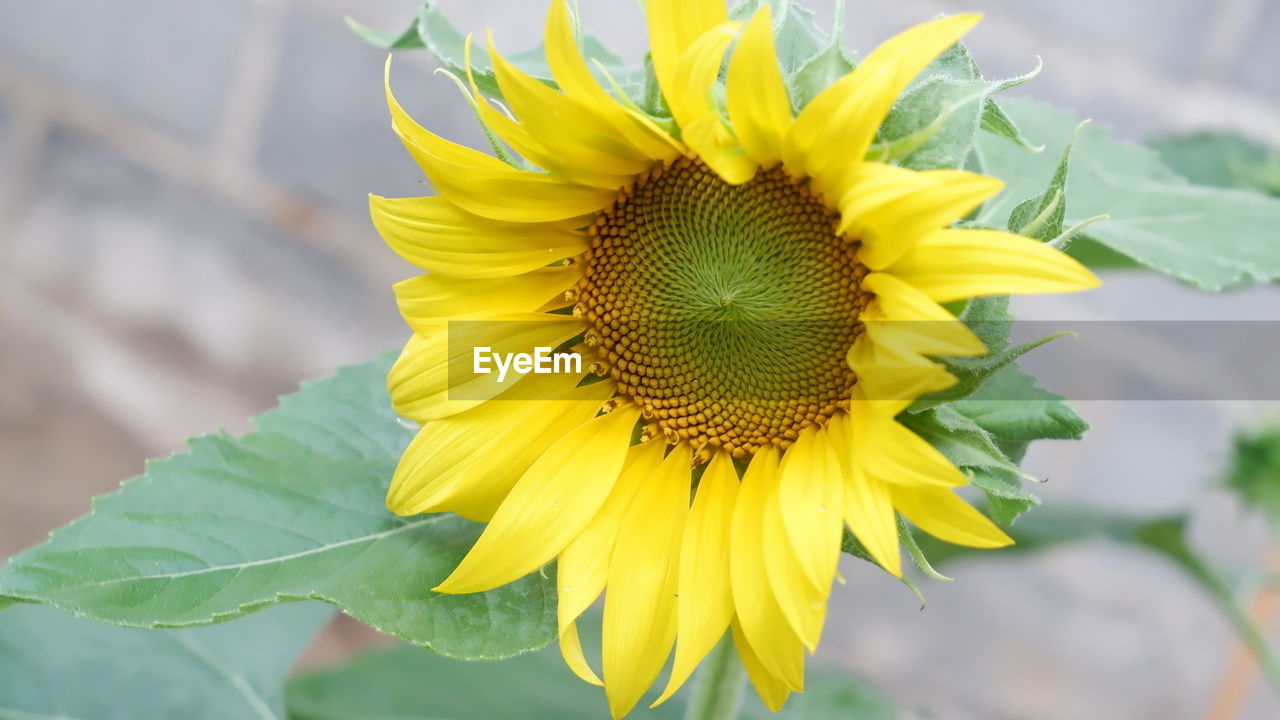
{"type": "Point", "coordinates": [851, 545]}
{"type": "Point", "coordinates": [1041, 217]}
{"type": "Point", "coordinates": [908, 540]}
{"type": "Point", "coordinates": [1015, 411]}
{"type": "Point", "coordinates": [972, 449]}
{"type": "Point", "coordinates": [954, 83]}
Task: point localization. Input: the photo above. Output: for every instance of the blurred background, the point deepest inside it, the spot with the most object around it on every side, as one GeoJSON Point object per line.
{"type": "Point", "coordinates": [183, 237]}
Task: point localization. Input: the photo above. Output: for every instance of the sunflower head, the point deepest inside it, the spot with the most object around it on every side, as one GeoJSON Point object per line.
{"type": "Point", "coordinates": [757, 297]}
{"type": "Point", "coordinates": [723, 311]}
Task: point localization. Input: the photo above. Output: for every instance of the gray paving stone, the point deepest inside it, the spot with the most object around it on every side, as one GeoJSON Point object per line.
{"type": "Point", "coordinates": [327, 132]}
{"type": "Point", "coordinates": [170, 63]}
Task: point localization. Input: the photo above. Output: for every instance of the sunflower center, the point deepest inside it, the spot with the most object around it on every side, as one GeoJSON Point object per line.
{"type": "Point", "coordinates": [724, 311]}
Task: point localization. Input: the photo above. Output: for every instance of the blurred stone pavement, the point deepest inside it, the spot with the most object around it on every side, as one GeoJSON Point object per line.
{"type": "Point", "coordinates": [183, 237]}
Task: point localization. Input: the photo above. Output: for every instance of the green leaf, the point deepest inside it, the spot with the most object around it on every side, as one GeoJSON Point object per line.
{"type": "Point", "coordinates": [1221, 159]}
{"type": "Point", "coordinates": [409, 39]}
{"type": "Point", "coordinates": [294, 511]}
{"type": "Point", "coordinates": [1254, 474]}
{"type": "Point", "coordinates": [406, 683]}
{"type": "Point", "coordinates": [1211, 237]}
{"type": "Point", "coordinates": [1100, 257]}
{"type": "Point", "coordinates": [54, 665]}
{"type": "Point", "coordinates": [1168, 537]}
{"type": "Point", "coordinates": [951, 85]}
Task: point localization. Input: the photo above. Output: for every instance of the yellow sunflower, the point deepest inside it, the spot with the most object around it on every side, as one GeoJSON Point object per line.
{"type": "Point", "coordinates": [756, 302]}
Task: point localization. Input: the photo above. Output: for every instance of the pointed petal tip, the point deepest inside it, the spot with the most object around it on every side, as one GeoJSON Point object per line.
{"type": "Point", "coordinates": [998, 539]}
{"type": "Point", "coordinates": [400, 507]}
{"type": "Point", "coordinates": [666, 695]}
{"type": "Point", "coordinates": [457, 585]}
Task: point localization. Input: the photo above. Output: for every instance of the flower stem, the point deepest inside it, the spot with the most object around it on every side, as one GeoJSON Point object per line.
{"type": "Point", "coordinates": [718, 692]}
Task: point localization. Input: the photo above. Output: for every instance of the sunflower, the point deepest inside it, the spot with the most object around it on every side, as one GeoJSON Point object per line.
{"type": "Point", "coordinates": [756, 299]}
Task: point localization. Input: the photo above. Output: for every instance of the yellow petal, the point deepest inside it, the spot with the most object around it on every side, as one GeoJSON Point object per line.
{"type": "Point", "coordinates": [776, 644]}
{"type": "Point", "coordinates": [716, 146]}
{"type": "Point", "coordinates": [551, 503]}
{"type": "Point", "coordinates": [908, 321]}
{"type": "Point", "coordinates": [705, 601]}
{"type": "Point", "coordinates": [890, 211]}
{"type": "Point", "coordinates": [802, 602]}
{"type": "Point", "coordinates": [488, 187]}
{"type": "Point", "coordinates": [944, 515]}
{"type": "Point", "coordinates": [849, 123]}
{"type": "Point", "coordinates": [576, 137]}
{"type": "Point", "coordinates": [847, 114]}
{"type": "Point", "coordinates": [694, 107]}
{"type": "Point", "coordinates": [674, 26]}
{"type": "Point", "coordinates": [571, 651]}
{"type": "Point", "coordinates": [945, 197]}
{"type": "Point", "coordinates": [640, 607]}
{"type": "Point", "coordinates": [891, 452]}
{"type": "Point", "coordinates": [552, 153]}
{"type": "Point", "coordinates": [436, 235]}
{"type": "Point", "coordinates": [575, 79]}
{"type": "Point", "coordinates": [583, 567]}
{"type": "Point", "coordinates": [514, 195]}
{"type": "Point", "coordinates": [468, 462]}
{"type": "Point", "coordinates": [811, 500]}
{"type": "Point", "coordinates": [426, 300]}
{"type": "Point", "coordinates": [755, 94]}
{"type": "Point", "coordinates": [868, 507]}
{"type": "Point", "coordinates": [435, 376]}
{"type": "Point", "coordinates": [952, 265]}
{"type": "Point", "coordinates": [771, 690]}
{"type": "Point", "coordinates": [893, 375]}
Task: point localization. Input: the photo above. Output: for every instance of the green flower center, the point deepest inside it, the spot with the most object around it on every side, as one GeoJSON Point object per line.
{"type": "Point", "coordinates": [724, 311]}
